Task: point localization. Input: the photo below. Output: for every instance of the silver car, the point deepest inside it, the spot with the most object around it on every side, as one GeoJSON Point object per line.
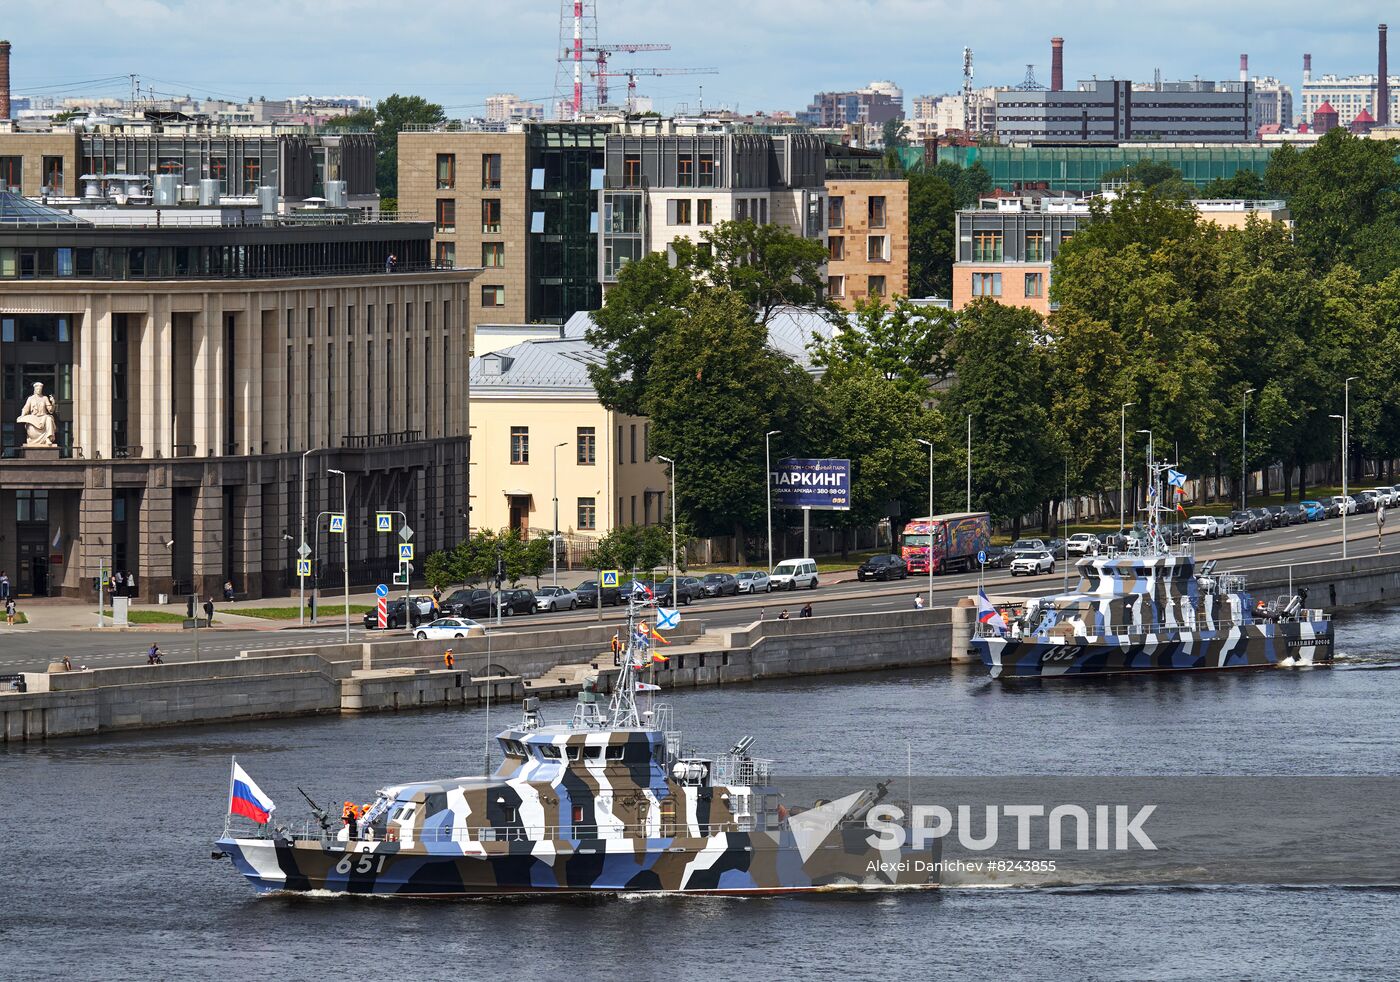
{"type": "Point", "coordinates": [754, 581]}
{"type": "Point", "coordinates": [555, 598]}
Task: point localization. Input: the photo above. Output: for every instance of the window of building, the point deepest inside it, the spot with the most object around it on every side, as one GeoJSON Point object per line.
{"type": "Point", "coordinates": [493, 254]}
{"type": "Point", "coordinates": [707, 170]}
{"type": "Point", "coordinates": [447, 255]}
{"type": "Point", "coordinates": [632, 171]}
{"type": "Point", "coordinates": [836, 248]}
{"type": "Point", "coordinates": [876, 286]}
{"type": "Point", "coordinates": [31, 506]}
{"type": "Point", "coordinates": [490, 216]}
{"type": "Point", "coordinates": [876, 211]}
{"type": "Point", "coordinates": [1065, 237]}
{"type": "Point", "coordinates": [11, 173]}
{"type": "Point", "coordinates": [877, 248]}
{"type": "Point", "coordinates": [447, 215]}
{"type": "Point", "coordinates": [646, 441]}
{"type": "Point", "coordinates": [685, 172]}
{"type": "Point", "coordinates": [446, 171]}
{"type": "Point", "coordinates": [986, 247]}
{"type": "Point", "coordinates": [493, 296]}
{"type": "Point", "coordinates": [741, 209]}
{"type": "Point", "coordinates": [986, 284]}
{"type": "Point", "coordinates": [632, 439]}
{"type": "Point", "coordinates": [520, 444]}
{"type": "Point", "coordinates": [1035, 247]}
{"type": "Point", "coordinates": [53, 174]}
{"type": "Point", "coordinates": [491, 171]}
{"type": "Point", "coordinates": [835, 211]}
{"type": "Point", "coordinates": [634, 510]}
{"type": "Point", "coordinates": [588, 513]}
{"type": "Point", "coordinates": [678, 211]}
{"type": "Point", "coordinates": [1035, 284]}
{"type": "Point", "coordinates": [587, 445]}
{"type": "Point", "coordinates": [836, 286]}
{"type": "Point", "coordinates": [704, 212]}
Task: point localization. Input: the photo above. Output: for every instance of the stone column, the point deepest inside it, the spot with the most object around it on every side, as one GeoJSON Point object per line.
{"type": "Point", "coordinates": [248, 540]}
{"type": "Point", "coordinates": [157, 527]}
{"type": "Point", "coordinates": [247, 379]}
{"type": "Point", "coordinates": [209, 533]}
{"type": "Point", "coordinates": [97, 346]}
{"type": "Point", "coordinates": [94, 552]}
{"type": "Point", "coordinates": [152, 398]}
{"type": "Point", "coordinates": [208, 388]}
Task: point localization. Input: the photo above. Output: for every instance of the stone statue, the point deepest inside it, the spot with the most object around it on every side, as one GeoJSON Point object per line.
{"type": "Point", "coordinates": [38, 419]}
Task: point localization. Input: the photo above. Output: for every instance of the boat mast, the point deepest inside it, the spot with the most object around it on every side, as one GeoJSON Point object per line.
{"type": "Point", "coordinates": [622, 710]}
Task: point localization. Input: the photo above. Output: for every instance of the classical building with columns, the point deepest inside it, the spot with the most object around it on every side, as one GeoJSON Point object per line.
{"type": "Point", "coordinates": [194, 356]}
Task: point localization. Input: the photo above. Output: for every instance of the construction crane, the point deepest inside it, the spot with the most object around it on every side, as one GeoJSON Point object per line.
{"type": "Point", "coordinates": [632, 73]}
{"type": "Point", "coordinates": [603, 52]}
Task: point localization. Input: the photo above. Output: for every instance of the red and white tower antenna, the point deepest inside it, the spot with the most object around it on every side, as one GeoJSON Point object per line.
{"type": "Point", "coordinates": [578, 29]}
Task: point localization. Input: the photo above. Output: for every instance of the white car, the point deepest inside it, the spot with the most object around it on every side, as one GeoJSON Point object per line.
{"type": "Point", "coordinates": [1202, 527]}
{"type": "Point", "coordinates": [448, 627]}
{"type": "Point", "coordinates": [1032, 562]}
{"type": "Point", "coordinates": [1344, 503]}
{"type": "Point", "coordinates": [1386, 495]}
{"type": "Point", "coordinates": [790, 574]}
{"type": "Point", "coordinates": [1083, 544]}
{"type": "Point", "coordinates": [1224, 526]}
{"type": "Point", "coordinates": [555, 598]}
{"type": "Point", "coordinates": [754, 581]}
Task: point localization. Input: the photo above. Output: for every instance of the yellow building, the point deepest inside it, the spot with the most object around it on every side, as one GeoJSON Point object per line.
{"type": "Point", "coordinates": [867, 238]}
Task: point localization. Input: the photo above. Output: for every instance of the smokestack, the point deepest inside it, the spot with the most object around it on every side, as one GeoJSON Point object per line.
{"type": "Point", "coordinates": [1057, 64]}
{"type": "Point", "coordinates": [1307, 68]}
{"type": "Point", "coordinates": [1382, 84]}
{"type": "Point", "coordinates": [4, 79]}
{"type": "Point", "coordinates": [1244, 68]}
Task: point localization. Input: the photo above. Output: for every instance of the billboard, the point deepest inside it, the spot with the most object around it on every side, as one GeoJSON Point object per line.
{"type": "Point", "coordinates": [812, 482]}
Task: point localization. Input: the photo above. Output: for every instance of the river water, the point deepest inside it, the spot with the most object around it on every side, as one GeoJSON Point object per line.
{"type": "Point", "coordinates": [105, 869]}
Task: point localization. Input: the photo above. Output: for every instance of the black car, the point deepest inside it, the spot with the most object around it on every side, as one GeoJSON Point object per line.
{"type": "Point", "coordinates": [670, 594]}
{"type": "Point", "coordinates": [886, 567]}
{"type": "Point", "coordinates": [1244, 522]}
{"type": "Point", "coordinates": [1297, 514]}
{"type": "Point", "coordinates": [720, 585]}
{"type": "Point", "coordinates": [422, 613]}
{"type": "Point", "coordinates": [1265, 517]}
{"type": "Point", "coordinates": [588, 594]}
{"type": "Point", "coordinates": [998, 557]}
{"type": "Point", "coordinates": [474, 604]}
{"type": "Point", "coordinates": [1281, 516]}
{"type": "Point", "coordinates": [518, 601]}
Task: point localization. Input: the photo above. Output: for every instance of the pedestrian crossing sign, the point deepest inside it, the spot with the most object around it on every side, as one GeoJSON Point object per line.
{"type": "Point", "coordinates": [303, 567]}
{"type": "Point", "coordinates": [383, 521]}
{"type": "Point", "coordinates": [338, 524]}
{"type": "Point", "coordinates": [609, 577]}
{"type": "Point", "coordinates": [405, 551]}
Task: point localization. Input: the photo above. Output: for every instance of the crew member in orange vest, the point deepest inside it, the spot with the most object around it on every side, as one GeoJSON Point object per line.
{"type": "Point", "coordinates": [617, 650]}
{"type": "Point", "coordinates": [447, 658]}
{"type": "Point", "coordinates": [349, 814]}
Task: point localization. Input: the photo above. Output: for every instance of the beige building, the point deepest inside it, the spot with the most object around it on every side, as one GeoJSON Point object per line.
{"type": "Point", "coordinates": [40, 163]}
{"type": "Point", "coordinates": [193, 363]}
{"type": "Point", "coordinates": [867, 239]}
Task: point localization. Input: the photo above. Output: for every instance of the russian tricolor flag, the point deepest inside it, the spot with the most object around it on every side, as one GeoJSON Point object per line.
{"type": "Point", "coordinates": [246, 798]}
{"type": "Point", "coordinates": [988, 614]}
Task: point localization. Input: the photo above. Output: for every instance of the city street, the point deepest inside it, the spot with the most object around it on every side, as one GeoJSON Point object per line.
{"type": "Point", "coordinates": [98, 649]}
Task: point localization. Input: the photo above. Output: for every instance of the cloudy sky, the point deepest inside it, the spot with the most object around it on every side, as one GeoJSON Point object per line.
{"type": "Point", "coordinates": [770, 54]}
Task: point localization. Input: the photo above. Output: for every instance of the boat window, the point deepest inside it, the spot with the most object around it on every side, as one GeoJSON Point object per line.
{"type": "Point", "coordinates": [573, 752]}
{"type": "Point", "coordinates": [615, 751]}
{"type": "Point", "coordinates": [592, 753]}
{"type": "Point", "coordinates": [550, 752]}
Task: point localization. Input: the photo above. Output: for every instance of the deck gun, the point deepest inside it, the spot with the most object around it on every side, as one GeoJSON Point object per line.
{"type": "Point", "coordinates": [318, 811]}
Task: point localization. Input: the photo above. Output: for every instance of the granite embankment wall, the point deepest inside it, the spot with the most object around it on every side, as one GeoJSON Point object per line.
{"type": "Point", "coordinates": [307, 680]}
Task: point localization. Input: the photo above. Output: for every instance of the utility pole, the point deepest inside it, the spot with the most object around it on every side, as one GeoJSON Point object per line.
{"type": "Point", "coordinates": [1122, 459]}
{"type": "Point", "coordinates": [303, 549]}
{"type": "Point", "coordinates": [768, 488]}
{"type": "Point", "coordinates": [929, 560]}
{"type": "Point", "coordinates": [1244, 450]}
{"type": "Point", "coordinates": [554, 543]}
{"type": "Point", "coordinates": [344, 541]}
{"type": "Point", "coordinates": [674, 572]}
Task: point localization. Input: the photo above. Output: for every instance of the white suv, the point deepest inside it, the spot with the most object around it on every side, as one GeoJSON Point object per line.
{"type": "Point", "coordinates": [793, 573]}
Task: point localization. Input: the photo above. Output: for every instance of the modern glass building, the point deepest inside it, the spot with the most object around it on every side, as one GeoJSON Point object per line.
{"type": "Point", "coordinates": [1082, 169]}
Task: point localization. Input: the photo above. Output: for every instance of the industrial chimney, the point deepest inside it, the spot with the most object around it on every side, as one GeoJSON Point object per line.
{"type": "Point", "coordinates": [1382, 84]}
{"type": "Point", "coordinates": [1307, 68]}
{"type": "Point", "coordinates": [4, 79]}
{"type": "Point", "coordinates": [1244, 68]}
{"type": "Point", "coordinates": [1057, 64]}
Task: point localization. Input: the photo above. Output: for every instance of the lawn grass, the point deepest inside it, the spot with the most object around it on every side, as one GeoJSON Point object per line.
{"type": "Point", "coordinates": [150, 617]}
{"type": "Point", "coordinates": [20, 618]}
{"type": "Point", "coordinates": [290, 613]}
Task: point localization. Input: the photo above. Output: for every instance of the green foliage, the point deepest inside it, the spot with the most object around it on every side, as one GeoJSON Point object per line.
{"type": "Point", "coordinates": [387, 119]}
{"type": "Point", "coordinates": [438, 569]}
{"type": "Point", "coordinates": [894, 134]}
{"type": "Point", "coordinates": [639, 547]}
{"type": "Point", "coordinates": [1162, 180]}
{"type": "Point", "coordinates": [1245, 184]}
{"type": "Point", "coordinates": [932, 251]}
{"type": "Point", "coordinates": [901, 342]}
{"type": "Point", "coordinates": [767, 265]}
{"type": "Point", "coordinates": [473, 560]}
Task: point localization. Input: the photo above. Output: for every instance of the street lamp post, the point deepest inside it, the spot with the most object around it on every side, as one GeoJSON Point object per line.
{"type": "Point", "coordinates": [1244, 446]}
{"type": "Point", "coordinates": [1346, 451]}
{"type": "Point", "coordinates": [969, 473]}
{"type": "Point", "coordinates": [768, 488]}
{"type": "Point", "coordinates": [1150, 460]}
{"type": "Point", "coordinates": [675, 582]}
{"type": "Point", "coordinates": [929, 558]}
{"type": "Point", "coordinates": [554, 543]}
{"type": "Point", "coordinates": [345, 543]}
{"type": "Point", "coordinates": [1122, 458]}
{"type": "Point", "coordinates": [301, 609]}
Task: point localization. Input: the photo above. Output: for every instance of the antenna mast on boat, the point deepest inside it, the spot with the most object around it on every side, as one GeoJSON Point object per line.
{"type": "Point", "coordinates": [622, 710]}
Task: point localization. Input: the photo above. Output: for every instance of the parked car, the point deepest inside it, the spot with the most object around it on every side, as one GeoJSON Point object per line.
{"type": "Point", "coordinates": [1265, 517]}
{"type": "Point", "coordinates": [1020, 545]}
{"type": "Point", "coordinates": [555, 598]}
{"type": "Point", "coordinates": [793, 573]}
{"type": "Point", "coordinates": [1366, 501]}
{"type": "Point", "coordinates": [1224, 527]}
{"type": "Point", "coordinates": [1243, 522]}
{"type": "Point", "coordinates": [1083, 544]}
{"type": "Point", "coordinates": [467, 603]}
{"type": "Point", "coordinates": [1297, 514]}
{"type": "Point", "coordinates": [679, 590]}
{"type": "Point", "coordinates": [448, 627]}
{"type": "Point", "coordinates": [720, 585]}
{"type": "Point", "coordinates": [1202, 527]}
{"type": "Point", "coordinates": [518, 601]}
{"type": "Point", "coordinates": [1032, 562]}
{"type": "Point", "coordinates": [587, 592]}
{"type": "Point", "coordinates": [998, 557]}
{"type": "Point", "coordinates": [1347, 503]}
{"type": "Point", "coordinates": [422, 611]}
{"type": "Point", "coordinates": [1384, 496]}
{"type": "Point", "coordinates": [883, 567]}
{"type": "Point", "coordinates": [1314, 509]}
{"type": "Point", "coordinates": [754, 581]}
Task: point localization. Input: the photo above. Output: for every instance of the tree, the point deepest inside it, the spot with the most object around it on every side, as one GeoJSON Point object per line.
{"type": "Point", "coordinates": [438, 569]}
{"type": "Point", "coordinates": [932, 251]}
{"type": "Point", "coordinates": [388, 118]}
{"type": "Point", "coordinates": [1244, 184]}
{"type": "Point", "coordinates": [894, 134]}
{"type": "Point", "coordinates": [712, 389]}
{"type": "Point", "coordinates": [639, 547]}
{"type": "Point", "coordinates": [901, 342]}
{"type": "Point", "coordinates": [1162, 180]}
{"type": "Point", "coordinates": [767, 265]}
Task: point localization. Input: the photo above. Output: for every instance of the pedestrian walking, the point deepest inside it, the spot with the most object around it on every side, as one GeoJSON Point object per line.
{"type": "Point", "coordinates": [209, 611]}
{"type": "Point", "coordinates": [10, 611]}
{"type": "Point", "coordinates": [4, 585]}
{"type": "Point", "coordinates": [1380, 524]}
{"type": "Point", "coordinates": [437, 596]}
{"type": "Point", "coordinates": [448, 660]}
{"type": "Point", "coordinates": [391, 263]}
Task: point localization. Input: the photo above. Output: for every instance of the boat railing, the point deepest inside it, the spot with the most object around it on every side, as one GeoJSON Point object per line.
{"type": "Point", "coordinates": [1186, 623]}
{"type": "Point", "coordinates": [742, 771]}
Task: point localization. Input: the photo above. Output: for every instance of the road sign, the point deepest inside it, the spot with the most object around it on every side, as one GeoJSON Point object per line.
{"type": "Point", "coordinates": [383, 521]}
{"type": "Point", "coordinates": [383, 608]}
{"type": "Point", "coordinates": [381, 591]}
{"type": "Point", "coordinates": [401, 579]}
{"type": "Point", "coordinates": [609, 577]}
{"type": "Point", "coordinates": [982, 556]}
{"type": "Point", "coordinates": [303, 568]}
{"type": "Point", "coordinates": [405, 551]}
{"type": "Point", "coordinates": [338, 524]}
{"type": "Point", "coordinates": [405, 533]}
{"type": "Point", "coordinates": [304, 550]}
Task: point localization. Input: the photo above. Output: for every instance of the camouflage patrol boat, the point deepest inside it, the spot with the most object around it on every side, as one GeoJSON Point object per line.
{"type": "Point", "coordinates": [603, 803]}
{"type": "Point", "coordinates": [1149, 609]}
